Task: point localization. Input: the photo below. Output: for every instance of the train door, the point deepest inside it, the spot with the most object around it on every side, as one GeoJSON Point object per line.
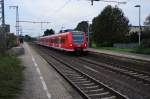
{"type": "Point", "coordinates": [69, 41]}
{"type": "Point", "coordinates": [59, 41]}
{"type": "Point", "coordinates": [64, 41]}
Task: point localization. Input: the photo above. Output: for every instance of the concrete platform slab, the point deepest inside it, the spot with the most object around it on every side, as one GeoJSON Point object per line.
{"type": "Point", "coordinates": [41, 80]}
{"type": "Point", "coordinates": [122, 54]}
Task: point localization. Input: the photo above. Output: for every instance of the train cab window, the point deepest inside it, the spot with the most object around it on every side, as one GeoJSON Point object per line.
{"type": "Point", "coordinates": [62, 41]}
{"type": "Point", "coordinates": [56, 40]}
{"type": "Point", "coordinates": [78, 37]}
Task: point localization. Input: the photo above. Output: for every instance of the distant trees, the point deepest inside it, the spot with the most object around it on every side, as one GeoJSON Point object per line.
{"type": "Point", "coordinates": [147, 21]}
{"type": "Point", "coordinates": [146, 33]}
{"type": "Point", "coordinates": [27, 37]}
{"type": "Point", "coordinates": [110, 26]}
{"type": "Point", "coordinates": [49, 32]}
{"type": "Point", "coordinates": [11, 40]}
{"type": "Point", "coordinates": [82, 26]}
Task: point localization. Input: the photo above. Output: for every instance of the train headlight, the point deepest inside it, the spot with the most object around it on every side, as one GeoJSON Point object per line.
{"type": "Point", "coordinates": [70, 45]}
{"type": "Point", "coordinates": [85, 44]}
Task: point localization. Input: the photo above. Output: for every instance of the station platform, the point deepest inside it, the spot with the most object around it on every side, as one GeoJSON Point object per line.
{"type": "Point", "coordinates": [122, 54]}
{"type": "Point", "coordinates": [41, 80]}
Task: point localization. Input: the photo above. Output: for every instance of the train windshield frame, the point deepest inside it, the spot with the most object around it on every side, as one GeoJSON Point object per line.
{"type": "Point", "coordinates": [78, 37]}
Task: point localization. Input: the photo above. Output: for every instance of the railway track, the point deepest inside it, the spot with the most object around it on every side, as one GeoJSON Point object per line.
{"type": "Point", "coordinates": [139, 76]}
{"type": "Point", "coordinates": [136, 75]}
{"type": "Point", "coordinates": [87, 86]}
{"type": "Point", "coordinates": [139, 65]}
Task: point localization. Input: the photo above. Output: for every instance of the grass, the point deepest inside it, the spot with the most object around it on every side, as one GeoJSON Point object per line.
{"type": "Point", "coordinates": [130, 50]}
{"type": "Point", "coordinates": [11, 76]}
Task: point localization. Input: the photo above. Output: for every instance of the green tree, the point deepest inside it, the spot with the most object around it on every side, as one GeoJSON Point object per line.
{"type": "Point", "coordinates": [147, 21]}
{"type": "Point", "coordinates": [11, 40]}
{"type": "Point", "coordinates": [82, 26]}
{"type": "Point", "coordinates": [145, 36]}
{"type": "Point", "coordinates": [48, 32]}
{"type": "Point", "coordinates": [147, 24]}
{"type": "Point", "coordinates": [110, 26]}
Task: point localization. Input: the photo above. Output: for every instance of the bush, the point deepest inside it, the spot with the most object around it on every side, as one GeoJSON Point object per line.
{"type": "Point", "coordinates": [104, 44]}
{"type": "Point", "coordinates": [11, 76]}
{"type": "Point", "coordinates": [145, 43]}
{"type": "Point", "coordinates": [11, 40]}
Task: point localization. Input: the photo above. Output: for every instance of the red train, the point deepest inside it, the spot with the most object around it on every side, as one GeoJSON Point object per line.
{"type": "Point", "coordinates": [74, 41]}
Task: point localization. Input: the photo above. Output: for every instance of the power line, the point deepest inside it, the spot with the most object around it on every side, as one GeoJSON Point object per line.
{"type": "Point", "coordinates": [63, 6]}
{"type": "Point", "coordinates": [36, 22]}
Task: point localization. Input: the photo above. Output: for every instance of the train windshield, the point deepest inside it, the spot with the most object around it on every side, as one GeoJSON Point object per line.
{"type": "Point", "coordinates": [78, 37]}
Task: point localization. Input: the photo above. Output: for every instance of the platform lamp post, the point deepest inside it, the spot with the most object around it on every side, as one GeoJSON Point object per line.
{"type": "Point", "coordinates": [139, 34]}
{"type": "Point", "coordinates": [88, 31]}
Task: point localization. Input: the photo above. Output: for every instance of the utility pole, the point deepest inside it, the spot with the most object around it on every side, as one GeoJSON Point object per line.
{"type": "Point", "coordinates": [35, 22]}
{"type": "Point", "coordinates": [2, 29]}
{"type": "Point", "coordinates": [3, 12]}
{"type": "Point", "coordinates": [17, 19]}
{"type": "Point", "coordinates": [20, 29]}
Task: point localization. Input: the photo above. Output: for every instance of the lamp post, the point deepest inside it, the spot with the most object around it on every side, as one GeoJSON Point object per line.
{"type": "Point", "coordinates": [88, 30]}
{"type": "Point", "coordinates": [139, 34]}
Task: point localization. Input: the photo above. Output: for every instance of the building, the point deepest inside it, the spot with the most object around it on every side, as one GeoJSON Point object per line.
{"type": "Point", "coordinates": [135, 29]}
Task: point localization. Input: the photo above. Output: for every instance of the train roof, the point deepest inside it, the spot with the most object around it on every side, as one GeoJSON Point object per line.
{"type": "Point", "coordinates": [60, 34]}
{"type": "Point", "coordinates": [55, 35]}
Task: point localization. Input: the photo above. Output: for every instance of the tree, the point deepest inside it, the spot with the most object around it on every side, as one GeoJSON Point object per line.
{"type": "Point", "coordinates": [82, 26]}
{"type": "Point", "coordinates": [48, 32]}
{"type": "Point", "coordinates": [147, 21]}
{"type": "Point", "coordinates": [110, 26]}
{"type": "Point", "coordinates": [147, 24]}
{"type": "Point", "coordinates": [146, 33]}
{"type": "Point", "coordinates": [11, 40]}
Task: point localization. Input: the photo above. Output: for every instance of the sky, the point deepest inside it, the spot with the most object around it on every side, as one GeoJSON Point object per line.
{"type": "Point", "coordinates": [66, 14]}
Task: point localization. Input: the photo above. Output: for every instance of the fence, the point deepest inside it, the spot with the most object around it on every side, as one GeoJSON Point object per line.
{"type": "Point", "coordinates": [125, 45]}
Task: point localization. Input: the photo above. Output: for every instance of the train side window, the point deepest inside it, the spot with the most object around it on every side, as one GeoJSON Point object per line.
{"type": "Point", "coordinates": [57, 40]}
{"type": "Point", "coordinates": [50, 41]}
{"type": "Point", "coordinates": [63, 40]}
{"type": "Point", "coordinates": [53, 40]}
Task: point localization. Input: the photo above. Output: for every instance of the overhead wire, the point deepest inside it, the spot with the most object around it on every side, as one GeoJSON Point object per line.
{"type": "Point", "coordinates": [63, 6]}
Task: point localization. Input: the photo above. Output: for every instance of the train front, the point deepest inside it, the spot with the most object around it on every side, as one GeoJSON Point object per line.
{"type": "Point", "coordinates": [79, 41]}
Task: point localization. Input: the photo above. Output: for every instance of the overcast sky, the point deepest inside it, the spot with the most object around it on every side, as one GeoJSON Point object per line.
{"type": "Point", "coordinates": [66, 13]}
